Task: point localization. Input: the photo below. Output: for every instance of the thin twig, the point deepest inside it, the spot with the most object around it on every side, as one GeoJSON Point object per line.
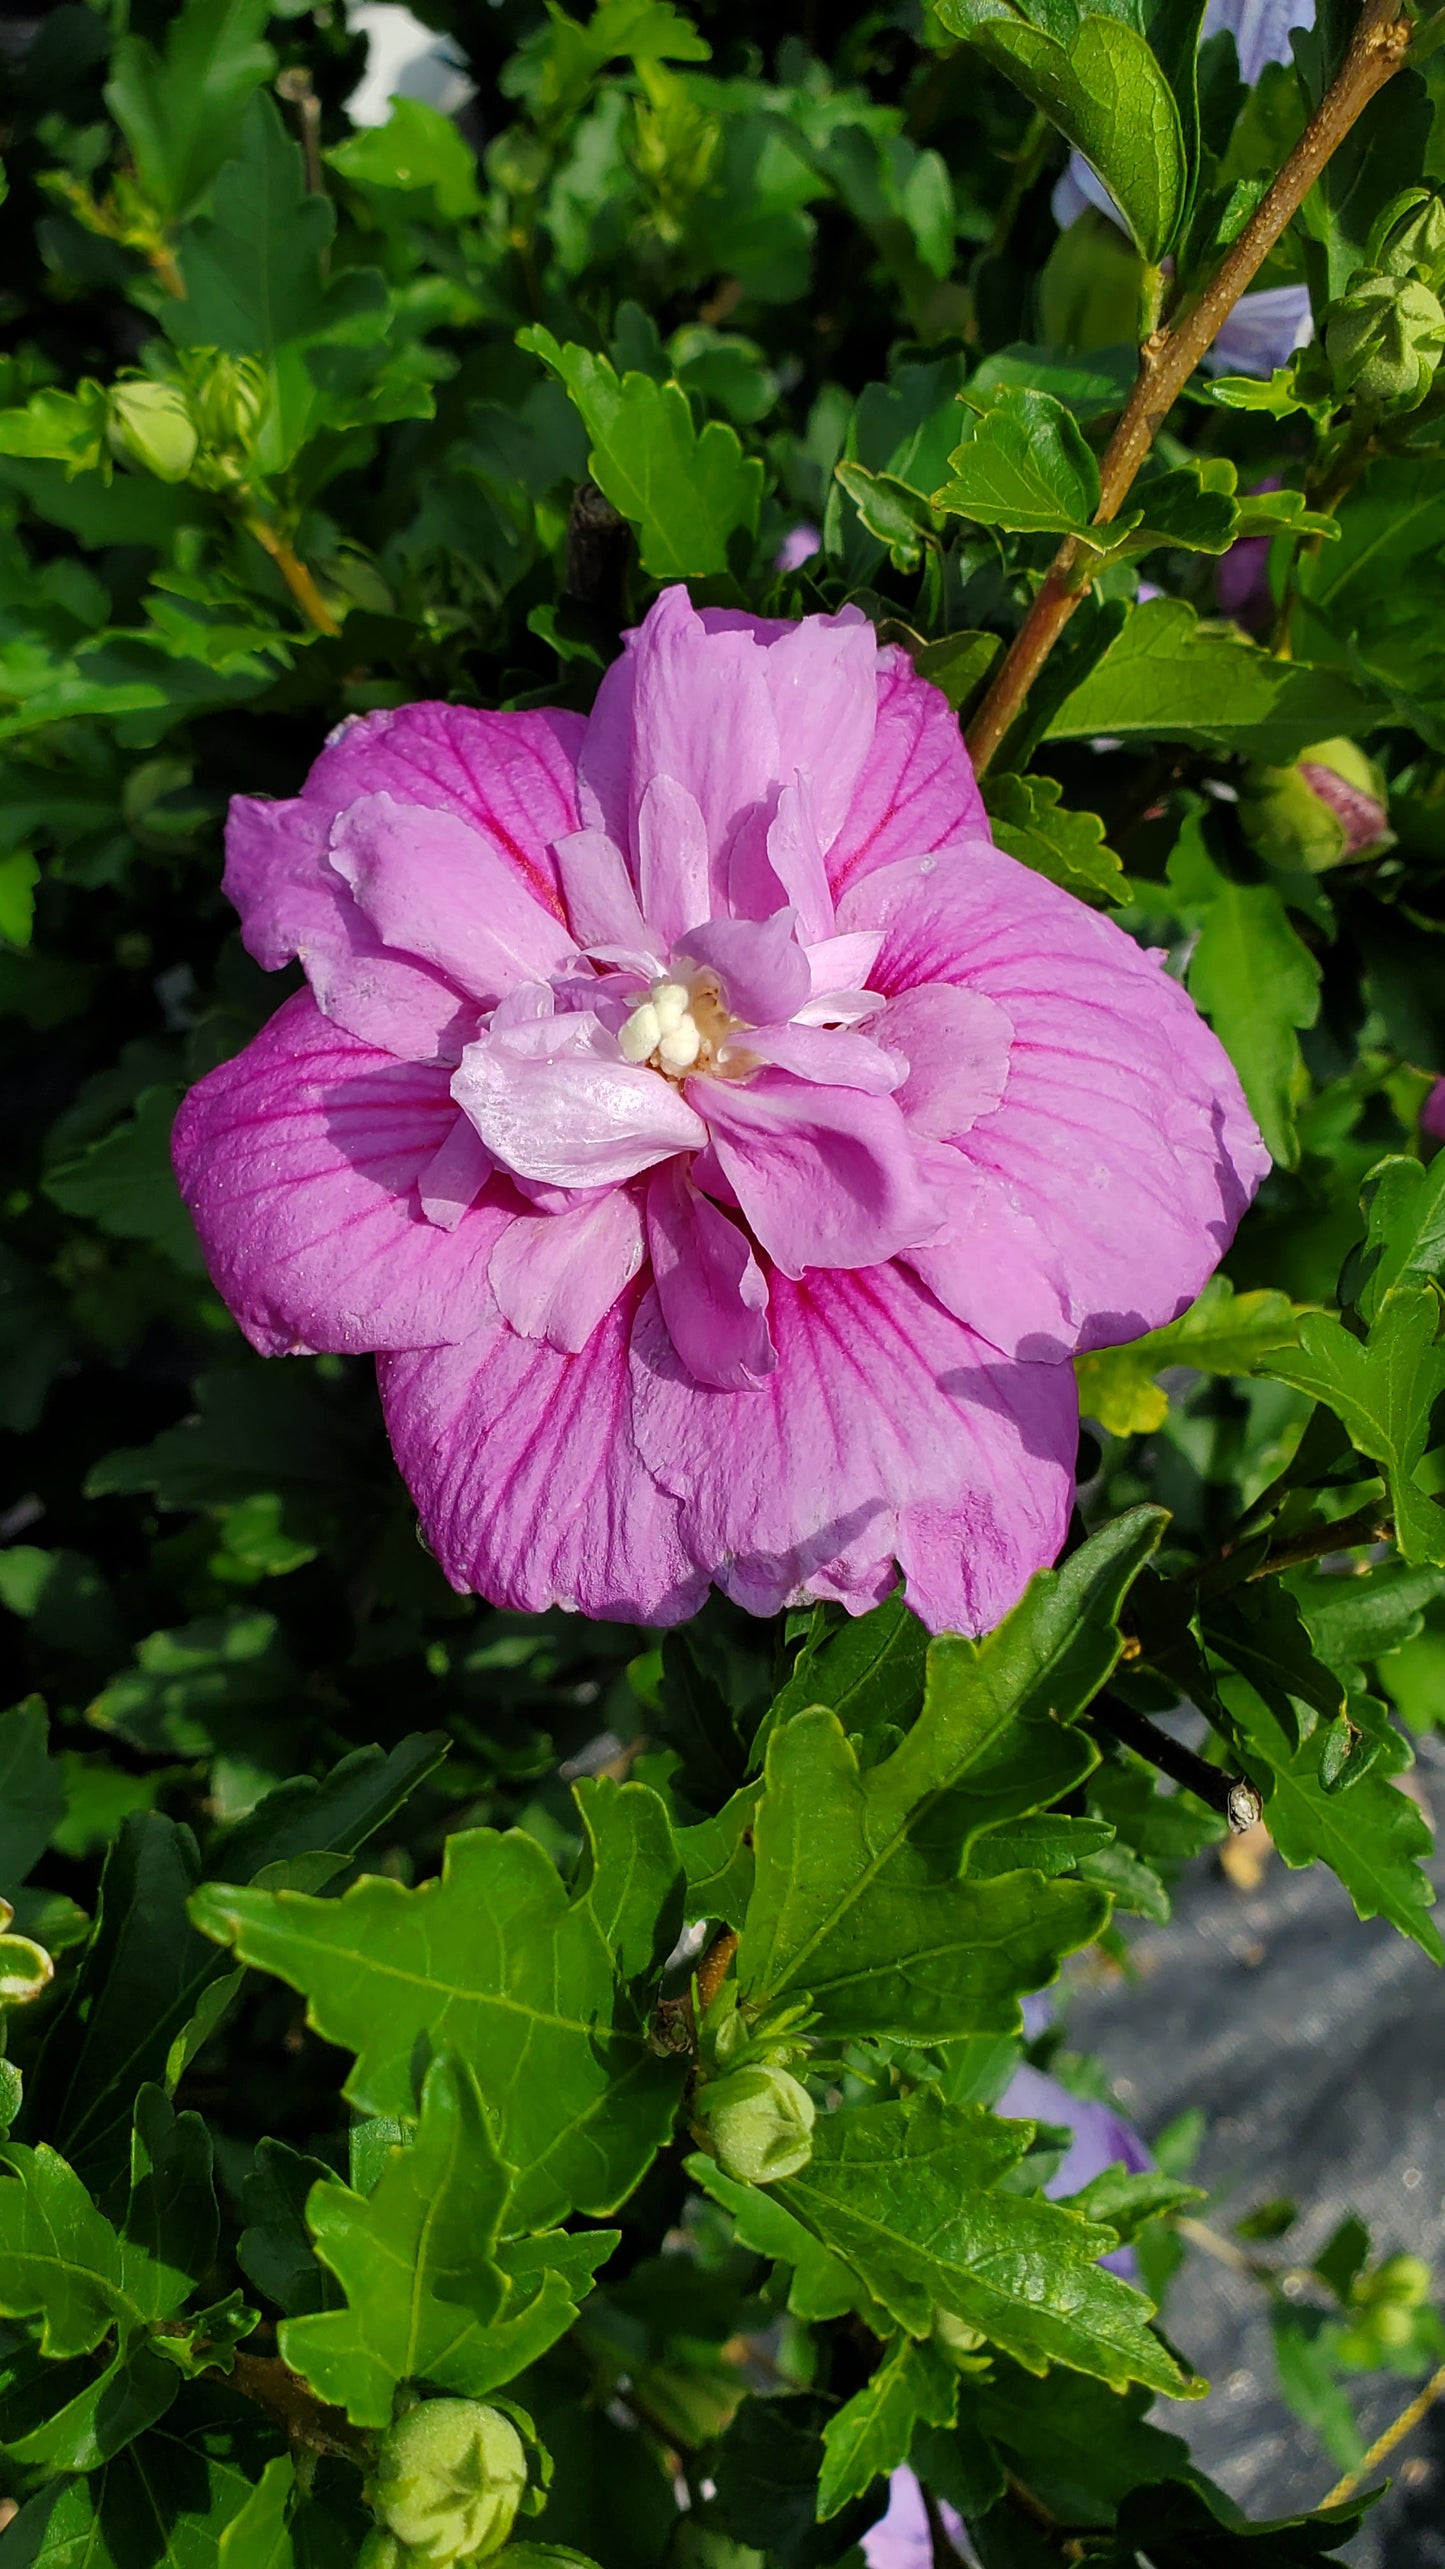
{"type": "Point", "coordinates": [293, 571]}
{"type": "Point", "coordinates": [1405, 2424]}
{"type": "Point", "coordinates": [293, 2405]}
{"type": "Point", "coordinates": [1230, 1795]}
{"type": "Point", "coordinates": [1368, 1525]}
{"type": "Point", "coordinates": [1169, 356]}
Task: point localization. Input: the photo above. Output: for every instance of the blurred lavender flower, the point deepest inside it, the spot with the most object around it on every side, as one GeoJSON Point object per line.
{"type": "Point", "coordinates": [1264, 329]}
{"type": "Point", "coordinates": [901, 2539]}
{"type": "Point", "coordinates": [798, 546]}
{"type": "Point", "coordinates": [1241, 576]}
{"type": "Point", "coordinates": [1432, 1113]}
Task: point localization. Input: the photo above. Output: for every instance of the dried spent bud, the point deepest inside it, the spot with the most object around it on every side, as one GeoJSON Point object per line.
{"type": "Point", "coordinates": [1408, 238]}
{"type": "Point", "coordinates": [1383, 341]}
{"type": "Point", "coordinates": [1328, 808]}
{"type": "Point", "coordinates": [152, 424]}
{"type": "Point", "coordinates": [761, 2123]}
{"type": "Point", "coordinates": [449, 2480]}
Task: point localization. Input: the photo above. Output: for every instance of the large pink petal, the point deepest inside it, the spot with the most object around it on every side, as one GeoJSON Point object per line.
{"type": "Point", "coordinates": [300, 1163]}
{"type": "Point", "coordinates": [886, 1428]}
{"type": "Point", "coordinates": [713, 1293]}
{"type": "Point", "coordinates": [827, 1177]}
{"type": "Point", "coordinates": [1095, 1200]}
{"type": "Point", "coordinates": [433, 886]}
{"type": "Point", "coordinates": [512, 776]}
{"type": "Point", "coordinates": [573, 1116]}
{"type": "Point", "coordinates": [673, 863]}
{"type": "Point", "coordinates": [822, 676]}
{"type": "Point", "coordinates": [916, 792]}
{"type": "Point", "coordinates": [555, 1274]}
{"type": "Point", "coordinates": [527, 1478]}
{"type": "Point", "coordinates": [601, 901]}
{"type": "Point", "coordinates": [829, 1056]}
{"type": "Point", "coordinates": [294, 905]}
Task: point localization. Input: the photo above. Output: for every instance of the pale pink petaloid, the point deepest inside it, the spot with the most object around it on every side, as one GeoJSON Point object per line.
{"type": "Point", "coordinates": [722, 1146]}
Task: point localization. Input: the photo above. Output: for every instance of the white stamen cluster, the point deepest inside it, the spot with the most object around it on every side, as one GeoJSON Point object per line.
{"type": "Point", "coordinates": [663, 1030]}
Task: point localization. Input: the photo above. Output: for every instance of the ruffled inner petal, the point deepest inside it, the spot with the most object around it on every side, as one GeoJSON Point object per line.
{"type": "Point", "coordinates": [556, 1274]}
{"type": "Point", "coordinates": [956, 1044]}
{"type": "Point", "coordinates": [431, 886]}
{"type": "Point", "coordinates": [713, 1293]}
{"type": "Point", "coordinates": [555, 1101]}
{"type": "Point", "coordinates": [827, 1177]}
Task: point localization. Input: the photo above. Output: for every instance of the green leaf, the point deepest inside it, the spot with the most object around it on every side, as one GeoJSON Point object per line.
{"type": "Point", "coordinates": [871, 2433]}
{"type": "Point", "coordinates": [496, 1962]}
{"type": "Point", "coordinates": [857, 1901]}
{"type": "Point", "coordinates": [125, 1183]}
{"type": "Point", "coordinates": [171, 2223]}
{"type": "Point", "coordinates": [1255, 981]}
{"type": "Point", "coordinates": [891, 511]}
{"type": "Point", "coordinates": [274, 2250]}
{"type": "Point", "coordinates": [1382, 1392]}
{"type": "Point", "coordinates": [259, 2537]}
{"type": "Point", "coordinates": [717, 1856]}
{"type": "Point", "coordinates": [1167, 676]}
{"type": "Point", "coordinates": [822, 2286]}
{"type": "Point", "coordinates": [1030, 822]}
{"type": "Point", "coordinates": [257, 286]}
{"type": "Point", "coordinates": [60, 2260]}
{"type": "Point", "coordinates": [691, 494]}
{"type": "Point", "coordinates": [127, 2394]}
{"type": "Point", "coordinates": [181, 112]}
{"type": "Point", "coordinates": [870, 1670]}
{"type": "Point", "coordinates": [1078, 2445]}
{"type": "Point", "coordinates": [1105, 90]}
{"type": "Point", "coordinates": [911, 2195]}
{"type": "Point", "coordinates": [1372, 1836]}
{"type": "Point", "coordinates": [418, 156]}
{"type": "Point", "coordinates": [1404, 1207]}
{"type": "Point", "coordinates": [32, 1799]}
{"type": "Point", "coordinates": [1224, 1332]}
{"type": "Point", "coordinates": [1175, 2525]}
{"type": "Point", "coordinates": [1124, 2201]}
{"type": "Point", "coordinates": [427, 2298]}
{"type": "Point", "coordinates": [169, 2495]}
{"type": "Point", "coordinates": [1023, 464]}
{"type": "Point", "coordinates": [337, 1815]}
{"type": "Point", "coordinates": [1258, 1630]}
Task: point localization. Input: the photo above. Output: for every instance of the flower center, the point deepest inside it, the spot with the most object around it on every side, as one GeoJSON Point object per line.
{"type": "Point", "coordinates": [678, 1027]}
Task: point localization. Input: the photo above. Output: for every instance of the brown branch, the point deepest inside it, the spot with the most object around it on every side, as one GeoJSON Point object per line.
{"type": "Point", "coordinates": [301, 2416]}
{"type": "Point", "coordinates": [1230, 1795]}
{"type": "Point", "coordinates": [1168, 359]}
{"type": "Point", "coordinates": [293, 571]}
{"type": "Point", "coordinates": [1368, 1525]}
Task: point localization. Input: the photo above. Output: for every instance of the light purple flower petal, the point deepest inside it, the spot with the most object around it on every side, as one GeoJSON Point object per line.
{"type": "Point", "coordinates": [827, 1177]}
{"type": "Point", "coordinates": [569, 1110]}
{"type": "Point", "coordinates": [300, 1163]}
{"type": "Point", "coordinates": [673, 860]}
{"type": "Point", "coordinates": [713, 1293]}
{"type": "Point", "coordinates": [798, 546]}
{"type": "Point", "coordinates": [1262, 332]}
{"type": "Point", "coordinates": [956, 1043]}
{"type": "Point", "coordinates": [601, 900]}
{"type": "Point", "coordinates": [1102, 2139]}
{"type": "Point", "coordinates": [763, 969]}
{"type": "Point", "coordinates": [827, 1055]}
{"type": "Point", "coordinates": [523, 1467]}
{"type": "Point", "coordinates": [916, 791]}
{"type": "Point", "coordinates": [555, 1274]}
{"type": "Point", "coordinates": [455, 1177]}
{"type": "Point", "coordinates": [292, 903]}
{"type": "Point", "coordinates": [1260, 28]}
{"type": "Point", "coordinates": [512, 776]}
{"type": "Point", "coordinates": [882, 1405]}
{"type": "Point", "coordinates": [1095, 1200]}
{"type": "Point", "coordinates": [795, 858]}
{"type": "Point", "coordinates": [1432, 1113]}
{"type": "Point", "coordinates": [432, 886]}
{"type": "Point", "coordinates": [901, 2539]}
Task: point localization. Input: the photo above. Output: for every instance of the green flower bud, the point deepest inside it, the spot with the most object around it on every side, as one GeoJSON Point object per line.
{"type": "Point", "coordinates": [152, 424]}
{"type": "Point", "coordinates": [382, 2551]}
{"type": "Point", "coordinates": [1383, 341]}
{"type": "Point", "coordinates": [761, 2123]}
{"type": "Point", "coordinates": [1408, 238]}
{"type": "Point", "coordinates": [449, 2480]}
{"type": "Point", "coordinates": [1329, 807]}
{"type": "Point", "coordinates": [1403, 2280]}
{"type": "Point", "coordinates": [230, 400]}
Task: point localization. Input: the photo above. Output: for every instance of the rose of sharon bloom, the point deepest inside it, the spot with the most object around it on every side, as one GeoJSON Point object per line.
{"type": "Point", "coordinates": [1432, 1113]}
{"type": "Point", "coordinates": [722, 1145]}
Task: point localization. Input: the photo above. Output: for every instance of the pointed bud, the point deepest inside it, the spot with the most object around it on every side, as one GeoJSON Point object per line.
{"type": "Point", "coordinates": [449, 2480]}
{"type": "Point", "coordinates": [1383, 341]}
{"type": "Point", "coordinates": [1329, 808]}
{"type": "Point", "coordinates": [152, 424]}
{"type": "Point", "coordinates": [761, 2123]}
{"type": "Point", "coordinates": [1408, 239]}
{"type": "Point", "coordinates": [230, 400]}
